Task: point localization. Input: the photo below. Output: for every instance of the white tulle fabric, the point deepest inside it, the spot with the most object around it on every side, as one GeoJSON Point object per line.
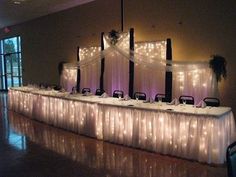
{"type": "Point", "coordinates": [198, 82]}
{"type": "Point", "coordinates": [101, 156]}
{"type": "Point", "coordinates": [90, 73]}
{"type": "Point", "coordinates": [189, 78]}
{"type": "Point", "coordinates": [149, 79]}
{"type": "Point", "coordinates": [116, 73]}
{"type": "Point", "coordinates": [68, 78]}
{"type": "Point", "coordinates": [201, 134]}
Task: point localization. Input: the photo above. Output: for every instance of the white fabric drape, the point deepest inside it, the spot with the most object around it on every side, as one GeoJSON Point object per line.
{"type": "Point", "coordinates": [201, 134]}
{"type": "Point", "coordinates": [196, 80]}
{"type": "Point", "coordinates": [116, 73]}
{"type": "Point", "coordinates": [68, 78]}
{"type": "Point", "coordinates": [147, 79]}
{"type": "Point", "coordinates": [189, 78]}
{"type": "Point", "coordinates": [90, 74]}
{"type": "Point", "coordinates": [100, 155]}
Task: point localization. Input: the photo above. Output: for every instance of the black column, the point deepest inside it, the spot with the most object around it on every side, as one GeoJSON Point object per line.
{"type": "Point", "coordinates": [168, 82]}
{"type": "Point", "coordinates": [122, 15]}
{"type": "Point", "coordinates": [78, 72]}
{"type": "Point", "coordinates": [102, 65]}
{"type": "Point", "coordinates": [5, 68]}
{"type": "Point", "coordinates": [131, 64]}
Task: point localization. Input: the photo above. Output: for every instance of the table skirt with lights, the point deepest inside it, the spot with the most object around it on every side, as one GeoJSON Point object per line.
{"type": "Point", "coordinates": [201, 134]}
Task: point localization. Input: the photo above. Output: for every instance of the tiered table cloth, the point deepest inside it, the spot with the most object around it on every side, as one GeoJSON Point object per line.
{"type": "Point", "coordinates": [201, 134]}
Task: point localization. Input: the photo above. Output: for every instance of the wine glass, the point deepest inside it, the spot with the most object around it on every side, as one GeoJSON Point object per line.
{"type": "Point", "coordinates": [119, 96]}
{"type": "Point", "coordinates": [160, 101]}
{"type": "Point", "coordinates": [184, 102]}
{"type": "Point", "coordinates": [136, 97]}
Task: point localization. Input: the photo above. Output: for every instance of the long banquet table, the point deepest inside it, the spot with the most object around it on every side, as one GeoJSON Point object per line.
{"type": "Point", "coordinates": [201, 134]}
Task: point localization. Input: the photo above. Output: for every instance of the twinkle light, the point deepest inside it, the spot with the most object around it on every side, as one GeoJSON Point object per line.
{"type": "Point", "coordinates": [69, 78]}
{"type": "Point", "coordinates": [141, 128]}
{"type": "Point", "coordinates": [195, 81]}
{"type": "Point", "coordinates": [87, 52]}
{"type": "Point", "coordinates": [155, 49]}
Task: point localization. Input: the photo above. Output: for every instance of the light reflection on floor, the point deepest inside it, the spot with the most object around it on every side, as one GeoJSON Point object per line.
{"type": "Point", "coordinates": [31, 148]}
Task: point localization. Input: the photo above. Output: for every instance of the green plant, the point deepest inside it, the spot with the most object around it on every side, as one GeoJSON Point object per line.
{"type": "Point", "coordinates": [218, 65]}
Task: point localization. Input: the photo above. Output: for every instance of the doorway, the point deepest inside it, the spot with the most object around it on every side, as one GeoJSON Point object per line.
{"type": "Point", "coordinates": [11, 63]}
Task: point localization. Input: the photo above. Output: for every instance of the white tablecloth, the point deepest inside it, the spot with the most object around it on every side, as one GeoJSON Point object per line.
{"type": "Point", "coordinates": [201, 134]}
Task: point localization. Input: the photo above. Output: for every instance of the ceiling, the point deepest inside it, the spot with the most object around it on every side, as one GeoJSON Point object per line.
{"type": "Point", "coordinates": [17, 11]}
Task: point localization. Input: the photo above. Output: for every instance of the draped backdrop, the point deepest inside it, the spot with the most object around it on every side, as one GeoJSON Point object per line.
{"type": "Point", "coordinates": [149, 79]}
{"type": "Point", "coordinates": [116, 73]}
{"type": "Point", "coordinates": [196, 79]}
{"type": "Point", "coordinates": [68, 77]}
{"type": "Point", "coordinates": [90, 73]}
{"type": "Point", "coordinates": [150, 65]}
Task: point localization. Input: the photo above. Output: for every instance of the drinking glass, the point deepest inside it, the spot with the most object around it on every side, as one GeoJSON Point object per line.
{"type": "Point", "coordinates": [136, 97]}
{"type": "Point", "coordinates": [119, 96]}
{"type": "Point", "coordinates": [160, 101]}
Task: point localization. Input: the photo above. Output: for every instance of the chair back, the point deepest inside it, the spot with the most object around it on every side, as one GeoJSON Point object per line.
{"type": "Point", "coordinates": [140, 95]}
{"type": "Point", "coordinates": [161, 96]}
{"type": "Point", "coordinates": [85, 90]}
{"type": "Point", "coordinates": [188, 99]}
{"type": "Point", "coordinates": [99, 92]}
{"type": "Point", "coordinates": [231, 160]}
{"type": "Point", "coordinates": [116, 93]}
{"type": "Point", "coordinates": [211, 101]}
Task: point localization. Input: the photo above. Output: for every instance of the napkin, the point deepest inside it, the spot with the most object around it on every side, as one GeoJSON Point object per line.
{"type": "Point", "coordinates": [201, 104]}
{"type": "Point", "coordinates": [87, 94]}
{"type": "Point", "coordinates": [126, 97]}
{"type": "Point", "coordinates": [151, 100]}
{"type": "Point", "coordinates": [104, 95]}
{"type": "Point", "coordinates": [49, 88]}
{"type": "Point", "coordinates": [174, 102]}
{"type": "Point", "coordinates": [62, 90]}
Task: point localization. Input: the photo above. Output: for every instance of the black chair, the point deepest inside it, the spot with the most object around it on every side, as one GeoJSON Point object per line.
{"type": "Point", "coordinates": [161, 96]}
{"type": "Point", "coordinates": [85, 90]}
{"type": "Point", "coordinates": [231, 160]}
{"type": "Point", "coordinates": [211, 101]}
{"type": "Point", "coordinates": [118, 93]}
{"type": "Point", "coordinates": [57, 87]}
{"type": "Point", "coordinates": [140, 95]}
{"type": "Point", "coordinates": [187, 99]}
{"type": "Point", "coordinates": [99, 92]}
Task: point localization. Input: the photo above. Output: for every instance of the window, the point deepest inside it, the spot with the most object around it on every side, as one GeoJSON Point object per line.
{"type": "Point", "coordinates": [11, 63]}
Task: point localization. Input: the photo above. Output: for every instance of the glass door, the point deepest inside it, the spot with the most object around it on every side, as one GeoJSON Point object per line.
{"type": "Point", "coordinates": [11, 70]}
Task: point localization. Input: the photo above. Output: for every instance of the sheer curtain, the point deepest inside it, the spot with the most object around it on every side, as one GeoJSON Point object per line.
{"type": "Point", "coordinates": [116, 73]}
{"type": "Point", "coordinates": [189, 77]}
{"type": "Point", "coordinates": [195, 79]}
{"type": "Point", "coordinates": [68, 78]}
{"type": "Point", "coordinates": [90, 73]}
{"type": "Point", "coordinates": [148, 77]}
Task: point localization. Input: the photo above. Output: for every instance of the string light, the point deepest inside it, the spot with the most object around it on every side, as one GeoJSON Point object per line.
{"type": "Point", "coordinates": [116, 124]}
{"type": "Point", "coordinates": [155, 49]}
{"type": "Point", "coordinates": [188, 79]}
